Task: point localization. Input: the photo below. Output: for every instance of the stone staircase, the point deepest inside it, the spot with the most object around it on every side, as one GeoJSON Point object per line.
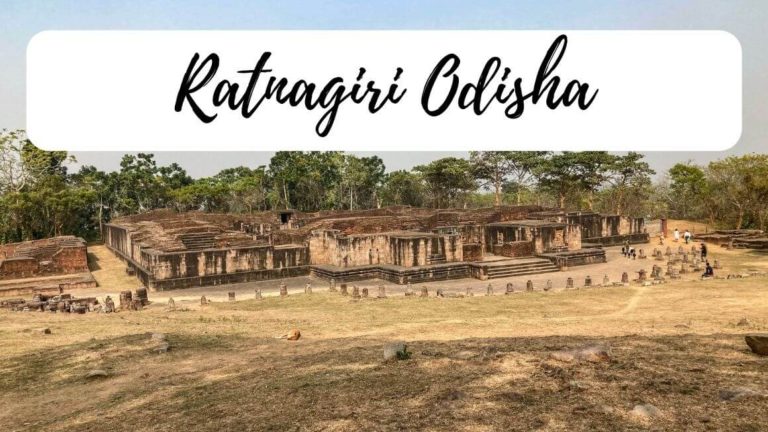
{"type": "Point", "coordinates": [516, 267]}
{"type": "Point", "coordinates": [576, 258]}
{"type": "Point", "coordinates": [199, 240]}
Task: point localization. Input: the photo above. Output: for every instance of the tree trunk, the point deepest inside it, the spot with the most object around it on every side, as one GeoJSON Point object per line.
{"type": "Point", "coordinates": [562, 200]}
{"type": "Point", "coordinates": [497, 184]}
{"type": "Point", "coordinates": [741, 218]}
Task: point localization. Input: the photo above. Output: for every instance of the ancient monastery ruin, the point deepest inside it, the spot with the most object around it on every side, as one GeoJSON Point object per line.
{"type": "Point", "coordinates": [169, 250]}
{"type": "Point", "coordinates": [47, 266]}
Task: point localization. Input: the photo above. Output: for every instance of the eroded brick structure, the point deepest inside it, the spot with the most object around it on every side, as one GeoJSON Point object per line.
{"type": "Point", "coordinates": [401, 244]}
{"type": "Point", "coordinates": [44, 266]}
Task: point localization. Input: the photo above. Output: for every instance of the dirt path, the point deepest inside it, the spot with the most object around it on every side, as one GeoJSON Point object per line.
{"type": "Point", "coordinates": [632, 303]}
{"type": "Point", "coordinates": [109, 271]}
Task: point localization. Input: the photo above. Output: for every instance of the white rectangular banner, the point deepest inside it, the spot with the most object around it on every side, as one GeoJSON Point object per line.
{"type": "Point", "coordinates": [384, 90]}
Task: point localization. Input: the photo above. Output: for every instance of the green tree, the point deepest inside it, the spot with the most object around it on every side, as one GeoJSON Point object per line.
{"type": "Point", "coordinates": [630, 179]}
{"type": "Point", "coordinates": [688, 187]}
{"type": "Point", "coordinates": [559, 175]}
{"type": "Point", "coordinates": [495, 169]}
{"type": "Point", "coordinates": [448, 180]}
{"type": "Point", "coordinates": [403, 188]}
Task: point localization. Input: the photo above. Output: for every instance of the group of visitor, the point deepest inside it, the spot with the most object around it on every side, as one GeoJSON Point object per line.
{"type": "Point", "coordinates": [628, 251]}
{"type": "Point", "coordinates": [687, 236]}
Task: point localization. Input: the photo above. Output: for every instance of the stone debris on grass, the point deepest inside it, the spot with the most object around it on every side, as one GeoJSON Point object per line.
{"type": "Point", "coordinates": [396, 351]}
{"type": "Point", "coordinates": [758, 343]}
{"type": "Point", "coordinates": [645, 411]}
{"type": "Point", "coordinates": [292, 335]}
{"type": "Point", "coordinates": [45, 330]}
{"type": "Point", "coordinates": [739, 393]}
{"type": "Point", "coordinates": [97, 373]}
{"type": "Point", "coordinates": [163, 347]}
{"type": "Point", "coordinates": [589, 353]}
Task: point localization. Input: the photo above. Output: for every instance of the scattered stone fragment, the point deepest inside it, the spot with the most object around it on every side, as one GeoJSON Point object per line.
{"type": "Point", "coordinates": [171, 304]}
{"type": "Point", "coordinates": [591, 353]}
{"type": "Point", "coordinates": [382, 292]}
{"type": "Point", "coordinates": [231, 295]}
{"type": "Point", "coordinates": [569, 283]}
{"type": "Point", "coordinates": [646, 411]}
{"type": "Point", "coordinates": [308, 288]}
{"type": "Point", "coordinates": [355, 292]}
{"type": "Point", "coordinates": [529, 285]}
{"type": "Point", "coordinates": [594, 354]}
{"type": "Point", "coordinates": [744, 322]}
{"type": "Point", "coordinates": [203, 301]}
{"type": "Point", "coordinates": [97, 373]}
{"type": "Point", "coordinates": [258, 295]}
{"type": "Point", "coordinates": [424, 292]}
{"type": "Point", "coordinates": [45, 330]}
{"type": "Point", "coordinates": [163, 347]}
{"type": "Point", "coordinates": [465, 355]}
{"type": "Point", "coordinates": [109, 305]}
{"type": "Point", "coordinates": [284, 290]}
{"type": "Point", "coordinates": [364, 292]}
{"type": "Point", "coordinates": [396, 351]}
{"type": "Point", "coordinates": [510, 289]}
{"type": "Point", "coordinates": [563, 356]}
{"type": "Point", "coordinates": [577, 385]}
{"type": "Point", "coordinates": [758, 343]}
{"type": "Point", "coordinates": [739, 393]}
{"type": "Point", "coordinates": [293, 335]}
{"type": "Point", "coordinates": [158, 337]}
{"type": "Point", "coordinates": [489, 290]}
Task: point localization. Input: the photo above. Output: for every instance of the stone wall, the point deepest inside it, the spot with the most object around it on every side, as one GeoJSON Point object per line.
{"type": "Point", "coordinates": [514, 249]}
{"type": "Point", "coordinates": [36, 258]}
{"type": "Point", "coordinates": [472, 251]}
{"type": "Point", "coordinates": [330, 247]}
{"type": "Point", "coordinates": [182, 269]}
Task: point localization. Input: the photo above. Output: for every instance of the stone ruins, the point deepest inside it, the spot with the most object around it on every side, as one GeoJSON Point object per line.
{"type": "Point", "coordinates": [740, 239]}
{"type": "Point", "coordinates": [168, 250]}
{"type": "Point", "coordinates": [47, 266]}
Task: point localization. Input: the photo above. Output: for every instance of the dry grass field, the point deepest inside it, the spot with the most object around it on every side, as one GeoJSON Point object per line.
{"type": "Point", "coordinates": [477, 364]}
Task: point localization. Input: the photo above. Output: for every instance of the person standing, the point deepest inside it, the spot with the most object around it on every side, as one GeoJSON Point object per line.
{"type": "Point", "coordinates": [687, 236]}
{"type": "Point", "coordinates": [676, 235]}
{"type": "Point", "coordinates": [703, 252]}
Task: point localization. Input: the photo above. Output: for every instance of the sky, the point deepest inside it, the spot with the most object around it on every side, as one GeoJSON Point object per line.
{"type": "Point", "coordinates": [746, 19]}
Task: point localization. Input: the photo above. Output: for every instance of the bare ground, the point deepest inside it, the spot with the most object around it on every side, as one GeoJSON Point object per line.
{"type": "Point", "coordinates": [480, 363]}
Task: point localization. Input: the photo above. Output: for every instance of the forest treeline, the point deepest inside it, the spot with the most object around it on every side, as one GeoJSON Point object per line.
{"type": "Point", "coordinates": [40, 196]}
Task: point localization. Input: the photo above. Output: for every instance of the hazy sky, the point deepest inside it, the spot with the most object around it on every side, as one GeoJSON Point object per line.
{"type": "Point", "coordinates": [746, 19]}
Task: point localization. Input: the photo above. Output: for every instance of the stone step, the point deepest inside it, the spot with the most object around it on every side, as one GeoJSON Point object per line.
{"type": "Point", "coordinates": [521, 273]}
{"type": "Point", "coordinates": [519, 268]}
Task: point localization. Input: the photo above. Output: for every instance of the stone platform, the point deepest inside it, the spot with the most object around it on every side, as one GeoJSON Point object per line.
{"type": "Point", "coordinates": [576, 258]}
{"type": "Point", "coordinates": [392, 273]}
{"type": "Point", "coordinates": [488, 269]}
{"type": "Point", "coordinates": [511, 267]}
{"type": "Point", "coordinates": [46, 285]}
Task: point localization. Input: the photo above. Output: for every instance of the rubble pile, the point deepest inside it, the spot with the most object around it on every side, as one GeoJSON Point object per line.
{"type": "Point", "coordinates": [69, 304]}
